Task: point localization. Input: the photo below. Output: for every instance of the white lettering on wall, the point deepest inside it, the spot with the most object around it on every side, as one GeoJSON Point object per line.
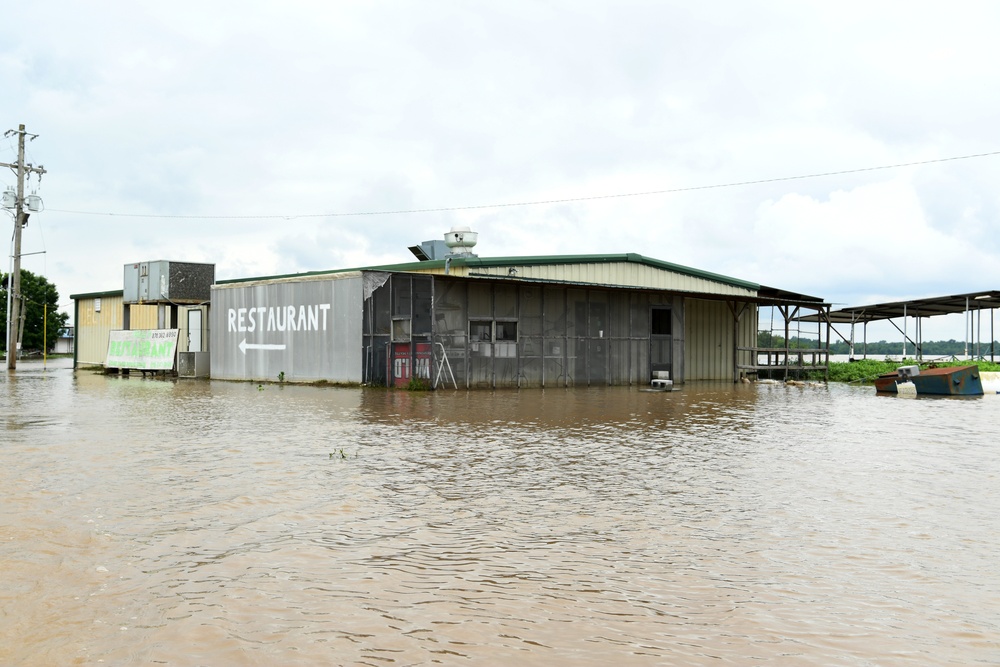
{"type": "Point", "coordinates": [279, 318]}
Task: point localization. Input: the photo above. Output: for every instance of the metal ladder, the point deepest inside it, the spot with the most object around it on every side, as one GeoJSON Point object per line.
{"type": "Point", "coordinates": [442, 364]}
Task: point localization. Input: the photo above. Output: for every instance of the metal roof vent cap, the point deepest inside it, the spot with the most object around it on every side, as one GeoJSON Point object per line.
{"type": "Point", "coordinates": [461, 240]}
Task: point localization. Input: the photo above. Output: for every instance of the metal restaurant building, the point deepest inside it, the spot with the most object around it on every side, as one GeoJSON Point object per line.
{"type": "Point", "coordinates": [453, 319]}
{"type": "Point", "coordinates": [157, 295]}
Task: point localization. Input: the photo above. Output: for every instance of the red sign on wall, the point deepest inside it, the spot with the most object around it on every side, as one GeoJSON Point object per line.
{"type": "Point", "coordinates": [400, 361]}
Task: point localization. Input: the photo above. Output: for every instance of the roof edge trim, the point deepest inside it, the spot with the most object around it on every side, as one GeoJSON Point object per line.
{"type": "Point", "coordinates": [91, 295]}
{"type": "Point", "coordinates": [536, 260]}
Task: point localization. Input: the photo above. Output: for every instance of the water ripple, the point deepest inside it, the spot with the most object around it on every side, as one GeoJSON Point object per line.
{"type": "Point", "coordinates": [191, 523]}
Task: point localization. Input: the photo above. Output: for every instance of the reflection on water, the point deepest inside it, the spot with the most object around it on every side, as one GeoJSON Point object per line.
{"type": "Point", "coordinates": [213, 523]}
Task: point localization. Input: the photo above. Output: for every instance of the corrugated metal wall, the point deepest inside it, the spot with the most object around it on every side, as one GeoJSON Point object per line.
{"type": "Point", "coordinates": [709, 332]}
{"type": "Point", "coordinates": [565, 336]}
{"type": "Point", "coordinates": [293, 329]}
{"type": "Point", "coordinates": [93, 326]}
{"type": "Point", "coordinates": [625, 274]}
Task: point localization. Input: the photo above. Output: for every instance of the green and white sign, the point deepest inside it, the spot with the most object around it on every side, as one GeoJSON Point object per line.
{"type": "Point", "coordinates": [143, 349]}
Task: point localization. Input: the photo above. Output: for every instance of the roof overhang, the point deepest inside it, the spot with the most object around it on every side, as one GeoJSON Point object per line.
{"type": "Point", "coordinates": [927, 307]}
{"type": "Point", "coordinates": [753, 292]}
{"type": "Point", "coordinates": [775, 296]}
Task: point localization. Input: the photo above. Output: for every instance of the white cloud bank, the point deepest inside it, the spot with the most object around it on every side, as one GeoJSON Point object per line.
{"type": "Point", "coordinates": [300, 108]}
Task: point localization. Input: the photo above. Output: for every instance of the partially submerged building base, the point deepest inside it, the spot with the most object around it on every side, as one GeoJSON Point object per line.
{"type": "Point", "coordinates": [451, 320]}
{"type": "Point", "coordinates": [456, 320]}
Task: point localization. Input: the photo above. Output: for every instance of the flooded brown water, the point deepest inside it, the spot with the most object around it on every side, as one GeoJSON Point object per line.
{"type": "Point", "coordinates": [147, 522]}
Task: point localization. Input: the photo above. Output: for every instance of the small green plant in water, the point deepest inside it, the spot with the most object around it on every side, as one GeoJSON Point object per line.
{"type": "Point", "coordinates": [417, 384]}
{"type": "Point", "coordinates": [281, 376]}
{"type": "Point", "coordinates": [260, 387]}
{"type": "Point", "coordinates": [339, 453]}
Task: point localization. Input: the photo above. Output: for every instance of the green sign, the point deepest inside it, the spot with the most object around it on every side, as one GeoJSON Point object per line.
{"type": "Point", "coordinates": [142, 349]}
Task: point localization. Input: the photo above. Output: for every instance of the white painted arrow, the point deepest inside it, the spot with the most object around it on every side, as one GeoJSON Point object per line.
{"type": "Point", "coordinates": [244, 346]}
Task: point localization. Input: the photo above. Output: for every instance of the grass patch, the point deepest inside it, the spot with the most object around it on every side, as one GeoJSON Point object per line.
{"type": "Point", "coordinates": [866, 370]}
{"type": "Point", "coordinates": [417, 384]}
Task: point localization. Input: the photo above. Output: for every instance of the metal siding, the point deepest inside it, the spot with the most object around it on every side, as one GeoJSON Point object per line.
{"type": "Point", "coordinates": [131, 283]}
{"type": "Point", "coordinates": [708, 332]}
{"type": "Point", "coordinates": [621, 274]}
{"type": "Point", "coordinates": [143, 317]}
{"type": "Point", "coordinates": [330, 350]}
{"type": "Point", "coordinates": [182, 328]}
{"type": "Point", "coordinates": [748, 334]}
{"type": "Point", "coordinates": [693, 343]}
{"type": "Point", "coordinates": [156, 285]}
{"type": "Point", "coordinates": [93, 329]}
{"type": "Point", "coordinates": [709, 336]}
{"type": "Point", "coordinates": [678, 327]}
{"type": "Point", "coordinates": [702, 338]}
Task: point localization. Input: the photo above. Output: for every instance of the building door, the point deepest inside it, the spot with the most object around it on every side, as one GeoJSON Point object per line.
{"type": "Point", "coordinates": [661, 340]}
{"type": "Point", "coordinates": [194, 330]}
{"type": "Point", "coordinates": [410, 361]}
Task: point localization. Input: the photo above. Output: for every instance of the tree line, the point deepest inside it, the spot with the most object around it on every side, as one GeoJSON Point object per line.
{"type": "Point", "coordinates": [41, 318]}
{"type": "Point", "coordinates": [933, 348]}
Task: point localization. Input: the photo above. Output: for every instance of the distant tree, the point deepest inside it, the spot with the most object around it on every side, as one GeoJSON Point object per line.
{"type": "Point", "coordinates": [38, 293]}
{"type": "Point", "coordinates": [768, 339]}
{"type": "Point", "coordinates": [935, 348]}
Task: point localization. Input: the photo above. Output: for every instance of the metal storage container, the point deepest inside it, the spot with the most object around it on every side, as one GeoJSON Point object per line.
{"type": "Point", "coordinates": [163, 281]}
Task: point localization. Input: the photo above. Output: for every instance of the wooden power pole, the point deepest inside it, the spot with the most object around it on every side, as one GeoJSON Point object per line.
{"type": "Point", "coordinates": [20, 220]}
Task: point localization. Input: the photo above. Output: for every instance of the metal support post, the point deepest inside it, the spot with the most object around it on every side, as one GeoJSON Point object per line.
{"type": "Point", "coordinates": [14, 317]}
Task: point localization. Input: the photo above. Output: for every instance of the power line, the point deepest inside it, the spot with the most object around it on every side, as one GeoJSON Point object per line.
{"type": "Point", "coordinates": [538, 202]}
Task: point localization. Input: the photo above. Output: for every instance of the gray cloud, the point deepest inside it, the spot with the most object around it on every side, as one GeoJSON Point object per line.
{"type": "Point", "coordinates": [302, 108]}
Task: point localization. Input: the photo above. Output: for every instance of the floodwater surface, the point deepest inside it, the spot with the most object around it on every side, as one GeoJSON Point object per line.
{"type": "Point", "coordinates": [151, 522]}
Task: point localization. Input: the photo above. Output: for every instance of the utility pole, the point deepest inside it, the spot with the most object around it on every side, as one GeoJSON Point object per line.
{"type": "Point", "coordinates": [20, 220]}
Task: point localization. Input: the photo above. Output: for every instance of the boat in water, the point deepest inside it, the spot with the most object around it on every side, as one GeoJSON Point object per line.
{"type": "Point", "coordinates": [944, 381]}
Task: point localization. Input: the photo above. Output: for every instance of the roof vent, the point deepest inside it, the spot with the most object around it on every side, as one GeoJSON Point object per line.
{"type": "Point", "coordinates": [430, 250]}
{"type": "Point", "coordinates": [461, 240]}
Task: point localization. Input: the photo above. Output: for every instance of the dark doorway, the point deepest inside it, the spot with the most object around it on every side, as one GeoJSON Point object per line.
{"type": "Point", "coordinates": [660, 339]}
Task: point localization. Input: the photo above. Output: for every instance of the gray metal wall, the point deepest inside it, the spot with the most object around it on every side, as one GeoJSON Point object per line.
{"type": "Point", "coordinates": [527, 335]}
{"type": "Point", "coordinates": [307, 329]}
{"type": "Point", "coordinates": [712, 336]}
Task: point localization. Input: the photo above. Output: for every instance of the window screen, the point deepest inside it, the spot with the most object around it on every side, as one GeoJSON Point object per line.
{"type": "Point", "coordinates": [660, 324]}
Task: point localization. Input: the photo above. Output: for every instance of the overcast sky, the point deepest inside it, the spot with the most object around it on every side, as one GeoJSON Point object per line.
{"type": "Point", "coordinates": [262, 116]}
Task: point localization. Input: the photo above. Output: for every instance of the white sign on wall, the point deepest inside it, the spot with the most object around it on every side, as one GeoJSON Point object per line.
{"type": "Point", "coordinates": [142, 349]}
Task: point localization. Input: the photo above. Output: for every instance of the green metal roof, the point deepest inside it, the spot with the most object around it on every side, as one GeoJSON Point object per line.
{"type": "Point", "coordinates": [539, 260]}
{"type": "Point", "coordinates": [91, 295]}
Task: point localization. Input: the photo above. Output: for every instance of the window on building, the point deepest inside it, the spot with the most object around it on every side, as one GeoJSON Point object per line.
{"type": "Point", "coordinates": [401, 290]}
{"type": "Point", "coordinates": [401, 330]}
{"type": "Point", "coordinates": [660, 323]}
{"type": "Point", "coordinates": [487, 331]}
{"type": "Point", "coordinates": [480, 331]}
{"type": "Point", "coordinates": [506, 331]}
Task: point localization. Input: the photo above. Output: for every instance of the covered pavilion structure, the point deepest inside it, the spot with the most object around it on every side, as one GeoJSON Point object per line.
{"type": "Point", "coordinates": [779, 353]}
{"type": "Point", "coordinates": [899, 314]}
